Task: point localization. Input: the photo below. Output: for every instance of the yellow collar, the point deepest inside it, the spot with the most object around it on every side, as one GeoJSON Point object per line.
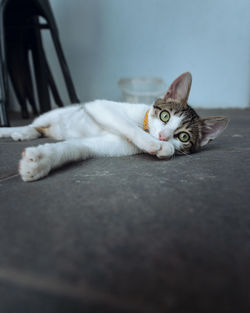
{"type": "Point", "coordinates": [145, 123]}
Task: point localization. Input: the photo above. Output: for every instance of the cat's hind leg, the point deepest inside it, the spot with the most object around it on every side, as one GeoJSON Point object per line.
{"type": "Point", "coordinates": [39, 127]}
{"type": "Point", "coordinates": [20, 133]}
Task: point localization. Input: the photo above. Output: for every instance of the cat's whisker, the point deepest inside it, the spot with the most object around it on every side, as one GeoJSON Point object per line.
{"type": "Point", "coordinates": [172, 157]}
{"type": "Point", "coordinates": [183, 153]}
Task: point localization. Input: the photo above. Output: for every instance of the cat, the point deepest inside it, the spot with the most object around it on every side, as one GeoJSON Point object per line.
{"type": "Point", "coordinates": [107, 128]}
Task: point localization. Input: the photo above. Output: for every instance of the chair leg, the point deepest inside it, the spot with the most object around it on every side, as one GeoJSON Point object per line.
{"type": "Point", "coordinates": [64, 67]}
{"type": "Point", "coordinates": [29, 86]}
{"type": "Point", "coordinates": [4, 121]}
{"type": "Point", "coordinates": [20, 95]}
{"type": "Point", "coordinates": [40, 71]}
{"type": "Point", "coordinates": [17, 67]}
{"type": "Point", "coordinates": [52, 85]}
{"type": "Point", "coordinates": [45, 8]}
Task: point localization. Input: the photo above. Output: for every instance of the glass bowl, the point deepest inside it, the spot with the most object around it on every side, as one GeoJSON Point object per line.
{"type": "Point", "coordinates": [142, 89]}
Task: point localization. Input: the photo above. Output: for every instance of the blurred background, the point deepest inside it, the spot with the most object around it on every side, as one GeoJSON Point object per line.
{"type": "Point", "coordinates": [104, 40]}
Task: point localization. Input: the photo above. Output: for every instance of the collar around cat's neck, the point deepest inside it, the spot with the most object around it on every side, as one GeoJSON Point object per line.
{"type": "Point", "coordinates": [145, 123]}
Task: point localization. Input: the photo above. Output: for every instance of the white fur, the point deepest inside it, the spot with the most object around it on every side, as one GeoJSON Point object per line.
{"type": "Point", "coordinates": [98, 128]}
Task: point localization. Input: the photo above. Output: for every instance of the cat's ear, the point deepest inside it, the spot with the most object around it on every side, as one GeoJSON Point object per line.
{"type": "Point", "coordinates": [180, 88]}
{"type": "Point", "coordinates": [212, 127]}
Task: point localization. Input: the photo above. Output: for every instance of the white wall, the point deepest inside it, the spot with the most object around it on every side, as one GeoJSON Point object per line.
{"type": "Point", "coordinates": [104, 40]}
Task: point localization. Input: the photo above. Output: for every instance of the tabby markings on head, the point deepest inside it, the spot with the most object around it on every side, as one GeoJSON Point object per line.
{"type": "Point", "coordinates": [180, 124]}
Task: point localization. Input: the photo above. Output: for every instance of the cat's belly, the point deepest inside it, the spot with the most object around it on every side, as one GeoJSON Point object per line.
{"type": "Point", "coordinates": [83, 131]}
{"type": "Point", "coordinates": [68, 122]}
{"type": "Point", "coordinates": [81, 125]}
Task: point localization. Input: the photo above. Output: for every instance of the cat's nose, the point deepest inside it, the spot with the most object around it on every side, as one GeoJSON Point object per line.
{"type": "Point", "coordinates": [163, 137]}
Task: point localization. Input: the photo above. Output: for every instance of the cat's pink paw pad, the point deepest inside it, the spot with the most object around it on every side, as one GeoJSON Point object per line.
{"type": "Point", "coordinates": [33, 165]}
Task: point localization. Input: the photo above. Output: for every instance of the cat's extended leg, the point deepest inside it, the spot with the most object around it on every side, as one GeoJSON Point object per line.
{"type": "Point", "coordinates": [37, 162]}
{"type": "Point", "coordinates": [39, 127]}
{"type": "Point", "coordinates": [116, 120]}
{"type": "Point", "coordinates": [19, 133]}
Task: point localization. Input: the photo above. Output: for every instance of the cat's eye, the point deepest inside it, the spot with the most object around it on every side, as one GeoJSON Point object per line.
{"type": "Point", "coordinates": [184, 137]}
{"type": "Point", "coordinates": [165, 116]}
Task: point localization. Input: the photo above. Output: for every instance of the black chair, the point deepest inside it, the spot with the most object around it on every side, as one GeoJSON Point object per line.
{"type": "Point", "coordinates": [20, 36]}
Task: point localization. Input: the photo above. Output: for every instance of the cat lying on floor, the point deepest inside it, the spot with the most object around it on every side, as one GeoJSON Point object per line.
{"type": "Point", "coordinates": [107, 128]}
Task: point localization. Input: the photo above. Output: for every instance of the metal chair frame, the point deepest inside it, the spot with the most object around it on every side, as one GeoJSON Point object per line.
{"type": "Point", "coordinates": [20, 35]}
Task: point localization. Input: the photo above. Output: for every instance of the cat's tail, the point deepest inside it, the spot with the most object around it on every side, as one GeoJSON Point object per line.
{"type": "Point", "coordinates": [20, 133]}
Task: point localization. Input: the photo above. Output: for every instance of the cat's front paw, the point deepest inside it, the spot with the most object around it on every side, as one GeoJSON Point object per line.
{"type": "Point", "coordinates": [34, 164]}
{"type": "Point", "coordinates": [166, 151]}
{"type": "Point", "coordinates": [151, 146]}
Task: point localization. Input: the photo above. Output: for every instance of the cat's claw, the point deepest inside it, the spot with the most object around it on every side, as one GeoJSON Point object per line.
{"type": "Point", "coordinates": [33, 165]}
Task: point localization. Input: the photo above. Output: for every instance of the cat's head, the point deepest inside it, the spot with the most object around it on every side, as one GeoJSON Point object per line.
{"type": "Point", "coordinates": [172, 119]}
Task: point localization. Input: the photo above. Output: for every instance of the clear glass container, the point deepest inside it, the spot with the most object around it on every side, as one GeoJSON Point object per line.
{"type": "Point", "coordinates": [142, 89]}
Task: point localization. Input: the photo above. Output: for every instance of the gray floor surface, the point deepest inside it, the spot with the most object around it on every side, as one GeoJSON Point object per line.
{"type": "Point", "coordinates": [130, 234]}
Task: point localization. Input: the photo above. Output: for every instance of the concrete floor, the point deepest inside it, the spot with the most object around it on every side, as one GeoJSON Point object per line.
{"type": "Point", "coordinates": [130, 234]}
